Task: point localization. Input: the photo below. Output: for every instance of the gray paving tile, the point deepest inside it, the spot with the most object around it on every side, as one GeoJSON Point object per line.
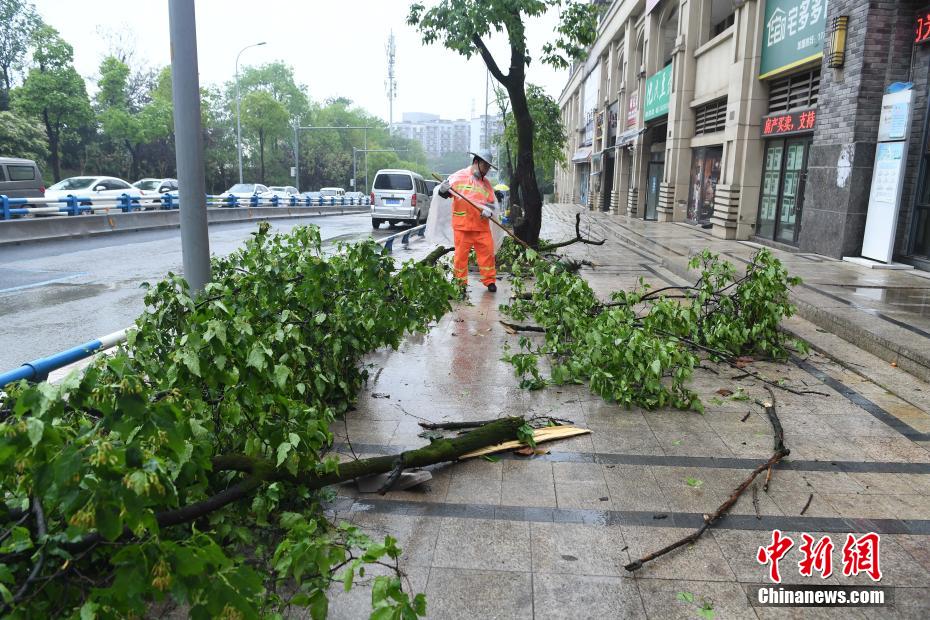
{"type": "Point", "coordinates": [588, 495]}
{"type": "Point", "coordinates": [634, 487]}
{"type": "Point", "coordinates": [661, 599]}
{"type": "Point", "coordinates": [527, 471]}
{"type": "Point", "coordinates": [454, 594]}
{"type": "Point", "coordinates": [577, 472]}
{"type": "Point", "coordinates": [577, 549]}
{"type": "Point", "coordinates": [485, 491]}
{"type": "Point", "coordinates": [416, 536]}
{"type": "Point", "coordinates": [528, 493]}
{"type": "Point", "coordinates": [703, 558]}
{"type": "Point", "coordinates": [483, 544]}
{"type": "Point", "coordinates": [570, 597]}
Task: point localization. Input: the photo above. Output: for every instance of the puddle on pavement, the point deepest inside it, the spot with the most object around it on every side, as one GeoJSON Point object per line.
{"type": "Point", "coordinates": [41, 298]}
{"type": "Point", "coordinates": [913, 300]}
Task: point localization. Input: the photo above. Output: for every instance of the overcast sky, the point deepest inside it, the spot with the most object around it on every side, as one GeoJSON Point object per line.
{"type": "Point", "coordinates": [337, 48]}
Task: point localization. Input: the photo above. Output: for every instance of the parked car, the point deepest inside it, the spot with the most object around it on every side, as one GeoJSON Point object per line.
{"type": "Point", "coordinates": [245, 191]}
{"type": "Point", "coordinates": [314, 197]}
{"type": "Point", "coordinates": [91, 188]}
{"type": "Point", "coordinates": [430, 186]}
{"type": "Point", "coordinates": [20, 178]}
{"type": "Point", "coordinates": [398, 196]}
{"type": "Point", "coordinates": [283, 192]}
{"type": "Point", "coordinates": [153, 189]}
{"type": "Point", "coordinates": [357, 198]}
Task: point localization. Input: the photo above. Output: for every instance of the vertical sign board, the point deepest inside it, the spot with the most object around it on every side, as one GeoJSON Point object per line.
{"type": "Point", "coordinates": [793, 34]}
{"type": "Point", "coordinates": [658, 93]}
{"type": "Point", "coordinates": [887, 176]}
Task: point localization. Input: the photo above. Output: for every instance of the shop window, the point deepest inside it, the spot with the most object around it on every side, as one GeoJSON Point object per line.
{"type": "Point", "coordinates": [796, 91]}
{"type": "Point", "coordinates": [710, 117]}
{"type": "Point", "coordinates": [722, 16]}
{"type": "Point", "coordinates": [669, 35]}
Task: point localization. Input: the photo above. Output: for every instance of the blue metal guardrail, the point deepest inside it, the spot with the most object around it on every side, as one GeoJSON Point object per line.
{"type": "Point", "coordinates": [38, 370]}
{"type": "Point", "coordinates": [76, 205]}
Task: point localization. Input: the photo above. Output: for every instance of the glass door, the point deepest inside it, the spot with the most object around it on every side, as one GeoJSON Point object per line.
{"type": "Point", "coordinates": [771, 175]}
{"type": "Point", "coordinates": [782, 199]}
{"type": "Point", "coordinates": [653, 178]}
{"type": "Point", "coordinates": [792, 191]}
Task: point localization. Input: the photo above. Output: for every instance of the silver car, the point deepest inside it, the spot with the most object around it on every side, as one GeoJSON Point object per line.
{"type": "Point", "coordinates": [398, 196]}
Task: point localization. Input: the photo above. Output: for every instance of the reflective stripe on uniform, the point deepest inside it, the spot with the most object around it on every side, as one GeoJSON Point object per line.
{"type": "Point", "coordinates": [459, 213]}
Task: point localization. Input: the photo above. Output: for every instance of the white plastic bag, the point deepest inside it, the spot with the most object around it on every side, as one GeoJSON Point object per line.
{"type": "Point", "coordinates": [439, 222]}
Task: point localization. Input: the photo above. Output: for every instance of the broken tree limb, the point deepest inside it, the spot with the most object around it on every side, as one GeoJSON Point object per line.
{"type": "Point", "coordinates": [523, 328]}
{"type": "Point", "coordinates": [578, 238]}
{"type": "Point", "coordinates": [709, 520]}
{"type": "Point", "coordinates": [810, 498]}
{"type": "Point", "coordinates": [454, 426]}
{"type": "Point", "coordinates": [261, 471]}
{"type": "Point", "coordinates": [435, 255]}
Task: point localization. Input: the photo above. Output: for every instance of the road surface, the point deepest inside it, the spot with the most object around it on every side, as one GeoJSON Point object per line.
{"type": "Point", "coordinates": [55, 295]}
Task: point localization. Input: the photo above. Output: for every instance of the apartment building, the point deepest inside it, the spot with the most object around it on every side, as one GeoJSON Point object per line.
{"type": "Point", "coordinates": [795, 123]}
{"type": "Point", "coordinates": [438, 136]}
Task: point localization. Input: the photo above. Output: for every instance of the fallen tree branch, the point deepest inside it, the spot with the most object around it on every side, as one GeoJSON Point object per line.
{"type": "Point", "coordinates": [435, 255]}
{"type": "Point", "coordinates": [523, 328]}
{"type": "Point", "coordinates": [578, 238]}
{"type": "Point", "coordinates": [261, 471]}
{"type": "Point", "coordinates": [709, 520]}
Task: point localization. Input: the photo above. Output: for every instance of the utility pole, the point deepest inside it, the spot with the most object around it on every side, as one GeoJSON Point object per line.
{"type": "Point", "coordinates": [238, 102]}
{"type": "Point", "coordinates": [391, 83]}
{"type": "Point", "coordinates": [297, 154]}
{"type": "Point", "coordinates": [487, 136]}
{"type": "Point", "coordinates": [188, 139]}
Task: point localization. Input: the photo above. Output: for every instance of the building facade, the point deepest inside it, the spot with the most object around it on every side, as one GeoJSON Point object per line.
{"type": "Point", "coordinates": [438, 136]}
{"type": "Point", "coordinates": [484, 132]}
{"type": "Point", "coordinates": [753, 119]}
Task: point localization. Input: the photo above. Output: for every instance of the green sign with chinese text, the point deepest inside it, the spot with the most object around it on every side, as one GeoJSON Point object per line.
{"type": "Point", "coordinates": [793, 34]}
{"type": "Point", "coordinates": [658, 93]}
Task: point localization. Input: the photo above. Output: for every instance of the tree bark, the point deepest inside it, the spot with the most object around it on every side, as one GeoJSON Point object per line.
{"type": "Point", "coordinates": [525, 174]}
{"type": "Point", "coordinates": [53, 158]}
{"type": "Point", "coordinates": [261, 154]}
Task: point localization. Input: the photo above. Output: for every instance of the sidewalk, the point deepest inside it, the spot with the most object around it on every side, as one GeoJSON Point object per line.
{"type": "Point", "coordinates": [548, 536]}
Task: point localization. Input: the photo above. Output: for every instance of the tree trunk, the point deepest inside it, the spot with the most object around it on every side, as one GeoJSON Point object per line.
{"type": "Point", "coordinates": [261, 154]}
{"type": "Point", "coordinates": [524, 177]}
{"type": "Point", "coordinates": [53, 158]}
{"type": "Point", "coordinates": [133, 161]}
{"type": "Point", "coordinates": [5, 90]}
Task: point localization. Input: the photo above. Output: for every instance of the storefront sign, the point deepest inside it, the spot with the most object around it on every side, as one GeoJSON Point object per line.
{"type": "Point", "coordinates": [887, 176]}
{"type": "Point", "coordinates": [923, 28]}
{"type": "Point", "coordinates": [793, 34]}
{"type": "Point", "coordinates": [658, 93]}
{"type": "Point", "coordinates": [789, 123]}
{"type": "Point", "coordinates": [632, 110]}
{"type": "Point", "coordinates": [612, 113]}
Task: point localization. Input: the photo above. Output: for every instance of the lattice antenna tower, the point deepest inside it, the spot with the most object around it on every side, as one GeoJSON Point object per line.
{"type": "Point", "coordinates": [390, 83]}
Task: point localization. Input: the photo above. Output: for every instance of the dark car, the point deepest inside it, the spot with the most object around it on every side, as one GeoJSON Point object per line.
{"type": "Point", "coordinates": [20, 178]}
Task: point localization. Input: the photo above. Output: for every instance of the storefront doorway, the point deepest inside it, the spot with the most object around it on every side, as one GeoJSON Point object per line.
{"type": "Point", "coordinates": [705, 173]}
{"type": "Point", "coordinates": [653, 178]}
{"type": "Point", "coordinates": [783, 179]}
{"type": "Point", "coordinates": [607, 181]}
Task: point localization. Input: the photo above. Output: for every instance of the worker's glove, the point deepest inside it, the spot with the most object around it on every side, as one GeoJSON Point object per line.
{"type": "Point", "coordinates": [487, 213]}
{"type": "Point", "coordinates": [444, 187]}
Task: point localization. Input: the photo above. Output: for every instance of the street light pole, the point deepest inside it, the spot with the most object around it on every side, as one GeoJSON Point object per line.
{"type": "Point", "coordinates": [238, 120]}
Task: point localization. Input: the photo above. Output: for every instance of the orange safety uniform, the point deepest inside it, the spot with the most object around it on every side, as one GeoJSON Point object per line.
{"type": "Point", "coordinates": [469, 229]}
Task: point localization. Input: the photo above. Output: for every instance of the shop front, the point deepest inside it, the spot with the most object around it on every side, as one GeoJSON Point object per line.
{"type": "Point", "coordinates": [788, 138]}
{"type": "Point", "coordinates": [705, 173]}
{"type": "Point", "coordinates": [655, 114]}
{"type": "Point", "coordinates": [792, 49]}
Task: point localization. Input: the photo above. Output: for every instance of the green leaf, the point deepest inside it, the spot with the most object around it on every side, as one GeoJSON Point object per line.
{"type": "Point", "coordinates": [256, 357]}
{"type": "Point", "coordinates": [281, 373]}
{"type": "Point", "coordinates": [34, 429]}
{"type": "Point", "coordinates": [491, 458]}
{"type": "Point", "coordinates": [283, 449]}
{"type": "Point", "coordinates": [656, 367]}
{"type": "Point", "coordinates": [685, 597]}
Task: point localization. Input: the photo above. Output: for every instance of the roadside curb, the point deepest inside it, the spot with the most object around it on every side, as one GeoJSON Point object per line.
{"type": "Point", "coordinates": [24, 231]}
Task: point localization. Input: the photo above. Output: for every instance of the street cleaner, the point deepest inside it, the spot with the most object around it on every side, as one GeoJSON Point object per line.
{"type": "Point", "coordinates": [473, 204]}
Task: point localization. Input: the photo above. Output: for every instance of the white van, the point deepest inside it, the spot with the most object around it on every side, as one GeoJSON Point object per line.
{"type": "Point", "coordinates": [398, 196]}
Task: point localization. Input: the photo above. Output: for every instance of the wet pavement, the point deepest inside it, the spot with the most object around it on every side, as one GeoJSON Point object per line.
{"type": "Point", "coordinates": [548, 536]}
{"type": "Point", "coordinates": [57, 294]}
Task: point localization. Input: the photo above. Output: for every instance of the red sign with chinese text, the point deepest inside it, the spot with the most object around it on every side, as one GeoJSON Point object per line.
{"type": "Point", "coordinates": [632, 111]}
{"type": "Point", "coordinates": [923, 28]}
{"type": "Point", "coordinates": [860, 555]}
{"type": "Point", "coordinates": [789, 123]}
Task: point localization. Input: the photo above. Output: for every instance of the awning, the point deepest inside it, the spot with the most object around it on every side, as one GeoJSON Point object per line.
{"type": "Point", "coordinates": [582, 155]}
{"type": "Point", "coordinates": [628, 136]}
